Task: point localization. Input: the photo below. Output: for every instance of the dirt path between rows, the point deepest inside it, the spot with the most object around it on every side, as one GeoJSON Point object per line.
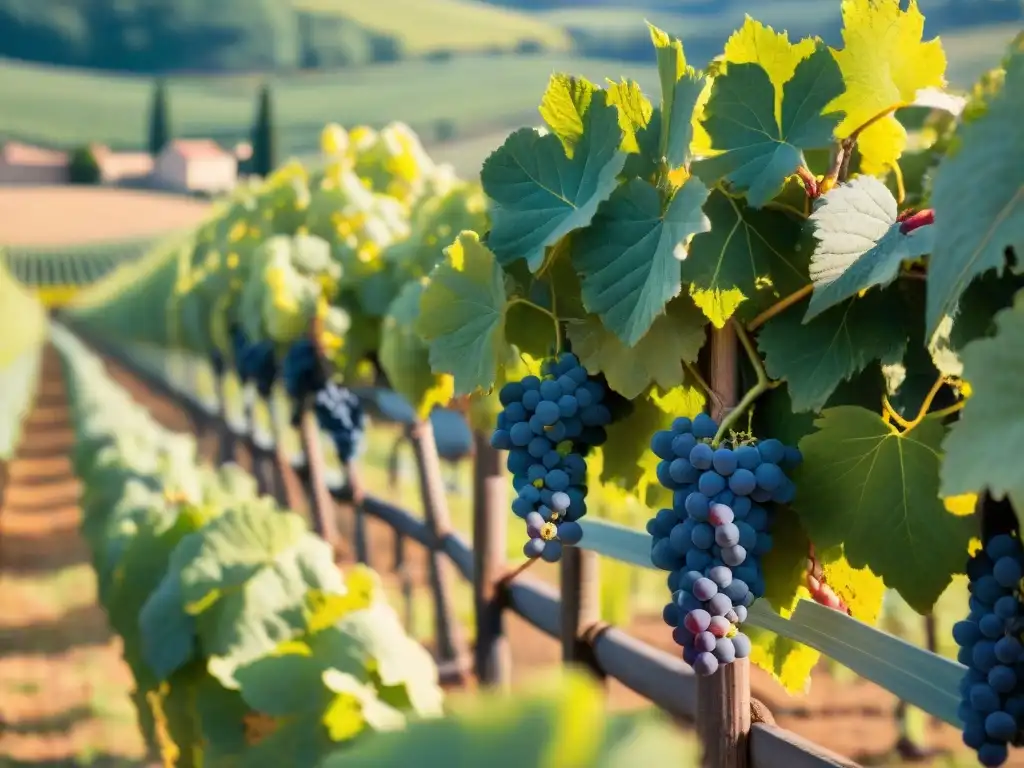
{"type": "Point", "coordinates": [63, 686]}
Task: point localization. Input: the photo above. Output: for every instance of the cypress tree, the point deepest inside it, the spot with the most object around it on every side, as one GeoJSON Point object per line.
{"type": "Point", "coordinates": [264, 135]}
{"type": "Point", "coordinates": [159, 119]}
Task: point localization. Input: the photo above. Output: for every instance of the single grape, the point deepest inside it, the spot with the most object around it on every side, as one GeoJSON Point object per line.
{"type": "Point", "coordinates": [560, 501]}
{"type": "Point", "coordinates": [742, 482]}
{"type": "Point", "coordinates": [734, 555]}
{"type": "Point", "coordinates": [704, 427]}
{"type": "Point", "coordinates": [741, 613]}
{"type": "Point", "coordinates": [727, 535]}
{"type": "Point", "coordinates": [703, 536]}
{"type": "Point", "coordinates": [719, 626]}
{"type": "Point", "coordinates": [701, 456]}
{"type": "Point", "coordinates": [725, 651]}
{"type": "Point", "coordinates": [768, 476]}
{"type": "Point", "coordinates": [1007, 572]}
{"type": "Point", "coordinates": [719, 605]}
{"type": "Point", "coordinates": [688, 579]}
{"type": "Point", "coordinates": [704, 642]}
{"type": "Point", "coordinates": [661, 444]}
{"type": "Point", "coordinates": [704, 589]}
{"type": "Point", "coordinates": [741, 643]}
{"type": "Point", "coordinates": [1002, 679]}
{"type": "Point", "coordinates": [983, 698]}
{"type": "Point", "coordinates": [682, 636]}
{"type": "Point", "coordinates": [991, 626]}
{"type": "Point", "coordinates": [705, 664]}
{"type": "Point", "coordinates": [737, 589]}
{"type": "Point", "coordinates": [682, 445]}
{"type": "Point", "coordinates": [663, 557]}
{"type": "Point", "coordinates": [711, 483]}
{"type": "Point", "coordinates": [991, 754]}
{"type": "Point", "coordinates": [682, 424]}
{"type": "Point", "coordinates": [533, 548]}
{"type": "Point", "coordinates": [1000, 726]}
{"type": "Point", "coordinates": [772, 451]}
{"type": "Point", "coordinates": [552, 551]}
{"type": "Point", "coordinates": [501, 440]}
{"type": "Point", "coordinates": [670, 614]}
{"type": "Point", "coordinates": [547, 411]}
{"type": "Point", "coordinates": [570, 533]}
{"type": "Point", "coordinates": [1002, 545]}
{"type": "Point", "coordinates": [720, 514]}
{"type": "Point", "coordinates": [1008, 650]}
{"type": "Point", "coordinates": [697, 620]}
{"type": "Point", "coordinates": [721, 575]}
{"type": "Point", "coordinates": [511, 393]}
{"type": "Point", "coordinates": [557, 480]}
{"type": "Point", "coordinates": [988, 590]}
{"type": "Point", "coordinates": [682, 471]}
{"type": "Point", "coordinates": [697, 506]}
{"type": "Point", "coordinates": [966, 633]}
{"type": "Point", "coordinates": [1006, 607]}
{"type": "Point", "coordinates": [724, 461]}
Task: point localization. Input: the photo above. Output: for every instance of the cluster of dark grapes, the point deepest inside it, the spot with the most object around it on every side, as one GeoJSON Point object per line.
{"type": "Point", "coordinates": [992, 707]}
{"type": "Point", "coordinates": [339, 412]}
{"type": "Point", "coordinates": [547, 425]}
{"type": "Point", "coordinates": [303, 375]}
{"type": "Point", "coordinates": [713, 536]}
{"type": "Point", "coordinates": [254, 362]}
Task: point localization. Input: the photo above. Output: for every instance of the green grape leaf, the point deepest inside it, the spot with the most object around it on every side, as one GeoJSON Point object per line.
{"type": "Point", "coordinates": [562, 723]}
{"type": "Point", "coordinates": [681, 86]}
{"type": "Point", "coordinates": [245, 576]}
{"type": "Point", "coordinates": [978, 197]}
{"type": "Point", "coordinates": [859, 242]}
{"type": "Point", "coordinates": [785, 569]}
{"type": "Point", "coordinates": [629, 438]}
{"type": "Point", "coordinates": [635, 112]}
{"type": "Point", "coordinates": [749, 258]}
{"type": "Point", "coordinates": [222, 715]}
{"type": "Point", "coordinates": [876, 491]}
{"type": "Point", "coordinates": [629, 256]}
{"type": "Point", "coordinates": [296, 741]}
{"type": "Point", "coordinates": [757, 151]}
{"type": "Point", "coordinates": [987, 432]}
{"type": "Point", "coordinates": [565, 102]}
{"type": "Point", "coordinates": [168, 632]}
{"type": "Point", "coordinates": [405, 357]}
{"type": "Point", "coordinates": [816, 358]}
{"type": "Point", "coordinates": [462, 315]}
{"type": "Point", "coordinates": [539, 194]}
{"type": "Point", "coordinates": [674, 337]}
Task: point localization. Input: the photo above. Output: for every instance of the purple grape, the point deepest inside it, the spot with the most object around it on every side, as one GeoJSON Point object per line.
{"type": "Point", "coordinates": [721, 575]}
{"type": "Point", "coordinates": [725, 651]}
{"type": "Point", "coordinates": [682, 637]}
{"type": "Point", "coordinates": [697, 620]}
{"type": "Point", "coordinates": [705, 664]}
{"type": "Point", "coordinates": [741, 644]}
{"type": "Point", "coordinates": [533, 548]}
{"type": "Point", "coordinates": [704, 642]}
{"type": "Point", "coordinates": [727, 535]}
{"type": "Point", "coordinates": [704, 589]}
{"type": "Point", "coordinates": [734, 555]}
{"type": "Point", "coordinates": [719, 605]}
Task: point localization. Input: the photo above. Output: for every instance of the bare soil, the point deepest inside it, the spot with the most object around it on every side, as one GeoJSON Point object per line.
{"type": "Point", "coordinates": [56, 651]}
{"type": "Point", "coordinates": [72, 215]}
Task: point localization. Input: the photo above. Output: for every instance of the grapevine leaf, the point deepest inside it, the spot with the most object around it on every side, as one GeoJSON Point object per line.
{"type": "Point", "coordinates": [884, 63]}
{"type": "Point", "coordinates": [815, 358]}
{"type": "Point", "coordinates": [876, 491]}
{"type": "Point", "coordinates": [462, 315]}
{"type": "Point", "coordinates": [540, 194]}
{"type": "Point", "coordinates": [245, 576]}
{"type": "Point", "coordinates": [861, 590]}
{"type": "Point", "coordinates": [749, 257]}
{"type": "Point", "coordinates": [681, 90]}
{"type": "Point", "coordinates": [222, 715]}
{"type": "Point", "coordinates": [563, 106]}
{"type": "Point", "coordinates": [675, 336]}
{"type": "Point", "coordinates": [757, 43]}
{"type": "Point", "coordinates": [784, 566]}
{"type": "Point", "coordinates": [984, 298]}
{"type": "Point", "coordinates": [405, 358]}
{"type": "Point", "coordinates": [629, 256]}
{"type": "Point", "coordinates": [635, 111]}
{"type": "Point", "coordinates": [758, 152]}
{"type": "Point", "coordinates": [978, 196]}
{"type": "Point", "coordinates": [860, 244]}
{"type": "Point", "coordinates": [629, 437]}
{"type": "Point", "coordinates": [987, 433]}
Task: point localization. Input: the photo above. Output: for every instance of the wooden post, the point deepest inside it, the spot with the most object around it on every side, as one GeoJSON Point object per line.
{"type": "Point", "coordinates": [354, 479]}
{"type": "Point", "coordinates": [723, 715]}
{"type": "Point", "coordinates": [450, 644]}
{"type": "Point", "coordinates": [288, 494]}
{"type": "Point", "coordinates": [580, 607]}
{"type": "Point", "coordinates": [405, 580]}
{"type": "Point", "coordinates": [492, 659]}
{"type": "Point", "coordinates": [322, 511]}
{"type": "Point", "coordinates": [225, 437]}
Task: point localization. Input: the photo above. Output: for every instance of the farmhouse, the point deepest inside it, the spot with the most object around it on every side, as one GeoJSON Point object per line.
{"type": "Point", "coordinates": [34, 166]}
{"type": "Point", "coordinates": [196, 165]}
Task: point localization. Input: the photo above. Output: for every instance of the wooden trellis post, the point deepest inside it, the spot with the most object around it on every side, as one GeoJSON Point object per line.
{"type": "Point", "coordinates": [450, 643]}
{"type": "Point", "coordinates": [723, 710]}
{"type": "Point", "coordinates": [492, 657]}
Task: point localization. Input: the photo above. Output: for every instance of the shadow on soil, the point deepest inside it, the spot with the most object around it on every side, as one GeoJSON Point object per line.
{"type": "Point", "coordinates": [41, 555]}
{"type": "Point", "coordinates": [78, 627]}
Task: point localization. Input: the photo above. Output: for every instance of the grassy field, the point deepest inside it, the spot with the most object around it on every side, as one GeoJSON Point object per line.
{"type": "Point", "coordinates": [66, 107]}
{"type": "Point", "coordinates": [444, 25]}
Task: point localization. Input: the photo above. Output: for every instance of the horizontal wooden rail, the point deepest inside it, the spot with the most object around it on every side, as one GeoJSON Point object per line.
{"type": "Point", "coordinates": [656, 675]}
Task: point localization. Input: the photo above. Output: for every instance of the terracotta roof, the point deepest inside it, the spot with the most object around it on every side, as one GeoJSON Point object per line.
{"type": "Point", "coordinates": [197, 149]}
{"type": "Point", "coordinates": [16, 153]}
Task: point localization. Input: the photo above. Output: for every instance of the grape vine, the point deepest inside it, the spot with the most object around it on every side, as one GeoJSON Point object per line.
{"type": "Point", "coordinates": [871, 283]}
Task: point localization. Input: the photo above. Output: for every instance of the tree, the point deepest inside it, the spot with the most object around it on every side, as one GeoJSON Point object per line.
{"type": "Point", "coordinates": [264, 135]}
{"type": "Point", "coordinates": [83, 167]}
{"type": "Point", "coordinates": [159, 120]}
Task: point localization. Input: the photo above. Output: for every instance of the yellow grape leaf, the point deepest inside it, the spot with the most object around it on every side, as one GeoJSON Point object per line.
{"type": "Point", "coordinates": [961, 506]}
{"type": "Point", "coordinates": [757, 43]}
{"type": "Point", "coordinates": [788, 661]}
{"type": "Point", "coordinates": [859, 588]}
{"type": "Point", "coordinates": [885, 63]}
{"type": "Point", "coordinates": [634, 111]}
